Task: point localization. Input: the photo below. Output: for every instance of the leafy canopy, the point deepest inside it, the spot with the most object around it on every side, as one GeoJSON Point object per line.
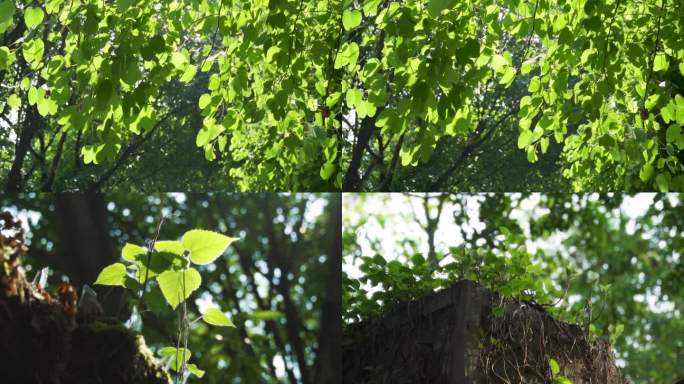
{"type": "Point", "coordinates": [604, 80]}
{"type": "Point", "coordinates": [289, 82]}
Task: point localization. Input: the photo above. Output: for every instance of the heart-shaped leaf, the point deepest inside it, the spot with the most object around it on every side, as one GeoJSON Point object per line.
{"type": "Point", "coordinates": [131, 251]}
{"type": "Point", "coordinates": [114, 274]}
{"type": "Point", "coordinates": [176, 286]}
{"type": "Point", "coordinates": [205, 246]}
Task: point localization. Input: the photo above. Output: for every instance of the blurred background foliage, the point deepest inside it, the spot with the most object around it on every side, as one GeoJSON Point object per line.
{"type": "Point", "coordinates": [280, 283]}
{"type": "Point", "coordinates": [609, 262]}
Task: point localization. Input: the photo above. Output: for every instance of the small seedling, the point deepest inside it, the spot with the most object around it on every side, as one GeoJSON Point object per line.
{"type": "Point", "coordinates": [170, 263]}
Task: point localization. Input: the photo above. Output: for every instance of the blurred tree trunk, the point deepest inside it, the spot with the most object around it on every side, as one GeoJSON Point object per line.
{"type": "Point", "coordinates": [86, 246]}
{"type": "Point", "coordinates": [328, 365]}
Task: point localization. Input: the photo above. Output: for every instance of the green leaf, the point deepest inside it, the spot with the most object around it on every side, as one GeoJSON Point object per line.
{"type": "Point", "coordinates": [663, 182]}
{"type": "Point", "coordinates": [52, 6]}
{"type": "Point", "coordinates": [527, 67]}
{"type": "Point", "coordinates": [103, 94]}
{"type": "Point", "coordinates": [175, 247]}
{"type": "Point", "coordinates": [7, 57]}
{"type": "Point", "coordinates": [562, 380]}
{"type": "Point", "coordinates": [660, 63]}
{"type": "Point", "coordinates": [214, 316]}
{"type": "Point", "coordinates": [33, 16]}
{"type": "Point", "coordinates": [205, 246]}
{"type": "Point", "coordinates": [646, 172]}
{"type": "Point", "coordinates": [508, 77]}
{"type": "Point", "coordinates": [534, 85]}
{"type": "Point", "coordinates": [652, 101]}
{"type": "Point", "coordinates": [354, 97]}
{"type": "Point", "coordinates": [176, 286]}
{"type": "Point", "coordinates": [555, 369]}
{"type": "Point", "coordinates": [370, 7]}
{"type": "Point", "coordinates": [204, 100]}
{"type": "Point", "coordinates": [668, 112]}
{"type": "Point", "coordinates": [544, 142]}
{"type": "Point", "coordinates": [435, 7]}
{"type": "Point", "coordinates": [189, 74]}
{"type": "Point", "coordinates": [114, 274]}
{"type": "Point", "coordinates": [347, 56]}
{"type": "Point", "coordinates": [179, 60]}
{"type": "Point", "coordinates": [499, 63]}
{"type": "Point", "coordinates": [351, 19]}
{"type": "Point", "coordinates": [176, 356]}
{"type": "Point", "coordinates": [560, 22]}
{"type": "Point", "coordinates": [152, 264]}
{"type": "Point", "coordinates": [46, 107]}
{"type": "Point", "coordinates": [209, 132]}
{"type": "Point", "coordinates": [192, 368]}
{"type": "Point", "coordinates": [130, 252]}
{"type": "Point", "coordinates": [327, 170]}
{"type": "Point", "coordinates": [14, 101]}
{"type": "Point", "coordinates": [7, 9]}
{"type": "Point", "coordinates": [673, 133]}
{"type": "Point", "coordinates": [524, 139]}
{"type": "Point", "coordinates": [615, 332]}
{"type": "Point", "coordinates": [33, 51]}
{"type": "Point", "coordinates": [266, 315]}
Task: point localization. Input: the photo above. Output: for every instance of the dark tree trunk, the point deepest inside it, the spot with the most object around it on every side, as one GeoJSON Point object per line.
{"type": "Point", "coordinates": [328, 365]}
{"type": "Point", "coordinates": [86, 246]}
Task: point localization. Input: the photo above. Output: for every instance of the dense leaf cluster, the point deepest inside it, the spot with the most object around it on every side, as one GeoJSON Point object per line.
{"type": "Point", "coordinates": [324, 95]}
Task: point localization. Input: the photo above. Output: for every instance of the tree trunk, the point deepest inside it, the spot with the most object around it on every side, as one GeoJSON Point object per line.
{"type": "Point", "coordinates": [86, 245]}
{"type": "Point", "coordinates": [328, 366]}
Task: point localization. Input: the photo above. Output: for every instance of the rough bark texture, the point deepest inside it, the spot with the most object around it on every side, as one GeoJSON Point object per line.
{"type": "Point", "coordinates": [452, 337]}
{"type": "Point", "coordinates": [44, 341]}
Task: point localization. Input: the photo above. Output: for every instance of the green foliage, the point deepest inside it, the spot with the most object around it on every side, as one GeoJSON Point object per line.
{"type": "Point", "coordinates": [177, 286]}
{"type": "Point", "coordinates": [169, 263]}
{"type": "Point", "coordinates": [555, 373]}
{"type": "Point", "coordinates": [277, 91]}
{"type": "Point", "coordinates": [264, 222]}
{"type": "Point", "coordinates": [572, 70]}
{"type": "Point", "coordinates": [205, 246]}
{"type": "Point", "coordinates": [607, 262]}
{"type": "Point", "coordinates": [214, 316]}
{"type": "Point", "coordinates": [114, 274]}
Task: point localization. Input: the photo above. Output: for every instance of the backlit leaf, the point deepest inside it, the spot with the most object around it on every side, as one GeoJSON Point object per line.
{"type": "Point", "coordinates": [351, 19]}
{"type": "Point", "coordinates": [33, 16]}
{"type": "Point", "coordinates": [114, 274]}
{"type": "Point", "coordinates": [205, 246]}
{"type": "Point", "coordinates": [177, 286]}
{"type": "Point", "coordinates": [214, 316]}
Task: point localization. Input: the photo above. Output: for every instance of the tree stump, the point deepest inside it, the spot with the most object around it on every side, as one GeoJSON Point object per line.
{"type": "Point", "coordinates": [42, 341]}
{"type": "Point", "coordinates": [452, 337]}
